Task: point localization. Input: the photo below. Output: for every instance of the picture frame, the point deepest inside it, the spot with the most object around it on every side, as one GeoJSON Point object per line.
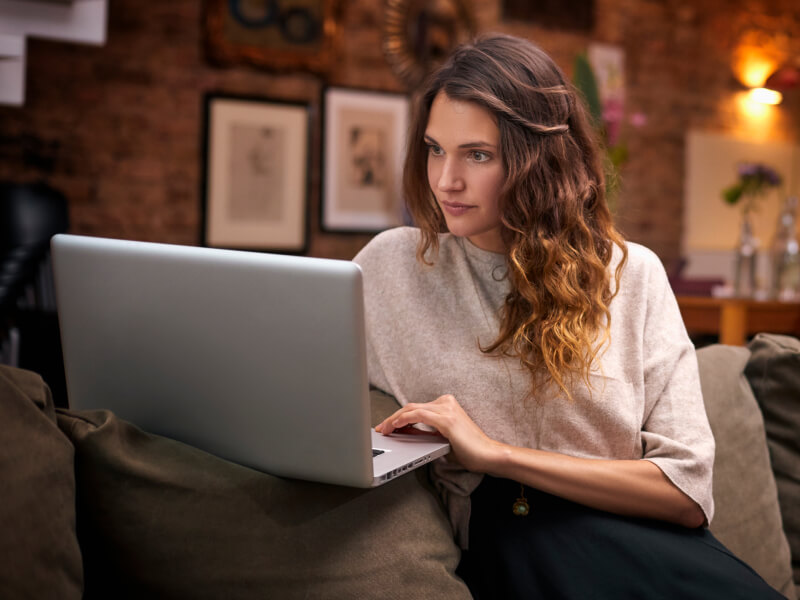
{"type": "Point", "coordinates": [364, 141]}
{"type": "Point", "coordinates": [255, 174]}
{"type": "Point", "coordinates": [276, 35]}
{"type": "Point", "coordinates": [577, 15]}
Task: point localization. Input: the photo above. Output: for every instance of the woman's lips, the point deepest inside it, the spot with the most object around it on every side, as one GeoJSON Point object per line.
{"type": "Point", "coordinates": [455, 208]}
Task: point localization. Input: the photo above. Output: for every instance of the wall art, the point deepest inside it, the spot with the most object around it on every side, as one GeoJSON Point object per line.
{"type": "Point", "coordinates": [255, 185]}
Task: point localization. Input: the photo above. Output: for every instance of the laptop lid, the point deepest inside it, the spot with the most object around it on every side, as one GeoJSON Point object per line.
{"type": "Point", "coordinates": [257, 358]}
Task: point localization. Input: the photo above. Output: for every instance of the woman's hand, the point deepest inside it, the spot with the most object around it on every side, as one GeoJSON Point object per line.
{"type": "Point", "coordinates": [635, 488]}
{"type": "Point", "coordinates": [471, 447]}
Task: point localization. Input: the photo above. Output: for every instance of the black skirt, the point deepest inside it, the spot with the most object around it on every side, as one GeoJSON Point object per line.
{"type": "Point", "coordinates": [565, 550]}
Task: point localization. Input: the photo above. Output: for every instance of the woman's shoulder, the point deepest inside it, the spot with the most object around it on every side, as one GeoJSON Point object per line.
{"type": "Point", "coordinates": [392, 243]}
{"type": "Point", "coordinates": [399, 245]}
{"type": "Point", "coordinates": [643, 275]}
{"type": "Point", "coordinates": [640, 262]}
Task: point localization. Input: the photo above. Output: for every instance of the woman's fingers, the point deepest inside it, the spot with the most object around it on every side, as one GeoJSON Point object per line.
{"type": "Point", "coordinates": [443, 414]}
{"type": "Point", "coordinates": [408, 415]}
{"type": "Point", "coordinates": [411, 413]}
{"type": "Point", "coordinates": [470, 445]}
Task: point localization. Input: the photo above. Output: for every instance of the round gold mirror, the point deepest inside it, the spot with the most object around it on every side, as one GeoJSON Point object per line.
{"type": "Point", "coordinates": [418, 35]}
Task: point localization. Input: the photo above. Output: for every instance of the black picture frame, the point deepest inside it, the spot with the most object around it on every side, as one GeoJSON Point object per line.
{"type": "Point", "coordinates": [255, 173]}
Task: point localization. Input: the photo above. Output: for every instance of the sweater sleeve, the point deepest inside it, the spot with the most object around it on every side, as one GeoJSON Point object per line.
{"type": "Point", "coordinates": [676, 435]}
{"type": "Point", "coordinates": [384, 263]}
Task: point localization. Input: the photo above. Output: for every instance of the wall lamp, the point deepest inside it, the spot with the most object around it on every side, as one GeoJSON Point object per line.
{"type": "Point", "coordinates": [784, 79]}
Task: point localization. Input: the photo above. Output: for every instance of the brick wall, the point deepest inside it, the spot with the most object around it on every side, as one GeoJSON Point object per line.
{"type": "Point", "coordinates": [118, 128]}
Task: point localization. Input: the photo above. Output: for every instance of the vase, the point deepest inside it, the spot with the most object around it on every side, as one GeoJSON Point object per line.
{"type": "Point", "coordinates": [785, 255]}
{"type": "Point", "coordinates": [746, 258]}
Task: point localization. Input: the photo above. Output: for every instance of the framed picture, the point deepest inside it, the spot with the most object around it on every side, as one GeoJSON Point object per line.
{"type": "Point", "coordinates": [278, 34]}
{"type": "Point", "coordinates": [255, 187]}
{"type": "Point", "coordinates": [364, 142]}
{"type": "Point", "coordinates": [577, 15]}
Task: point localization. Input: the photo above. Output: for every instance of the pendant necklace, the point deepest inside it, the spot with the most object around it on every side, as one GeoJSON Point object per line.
{"type": "Point", "coordinates": [520, 508]}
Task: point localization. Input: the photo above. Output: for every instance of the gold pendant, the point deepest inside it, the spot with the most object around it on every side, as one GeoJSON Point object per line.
{"type": "Point", "coordinates": [521, 507]}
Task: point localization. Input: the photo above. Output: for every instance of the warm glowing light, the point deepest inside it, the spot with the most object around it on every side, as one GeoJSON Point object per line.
{"type": "Point", "coordinates": [757, 116]}
{"type": "Point", "coordinates": [754, 70]}
{"type": "Point", "coordinates": [765, 96]}
{"type": "Point", "coordinates": [757, 54]}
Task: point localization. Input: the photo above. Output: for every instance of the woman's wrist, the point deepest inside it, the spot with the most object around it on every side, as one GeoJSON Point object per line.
{"type": "Point", "coordinates": [498, 459]}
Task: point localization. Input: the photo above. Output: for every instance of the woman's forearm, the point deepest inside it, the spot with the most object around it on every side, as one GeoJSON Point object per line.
{"type": "Point", "coordinates": [626, 487]}
{"type": "Point", "coordinates": [636, 488]}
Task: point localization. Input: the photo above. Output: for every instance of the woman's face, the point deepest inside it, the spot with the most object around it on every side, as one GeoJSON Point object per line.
{"type": "Point", "coordinates": [465, 169]}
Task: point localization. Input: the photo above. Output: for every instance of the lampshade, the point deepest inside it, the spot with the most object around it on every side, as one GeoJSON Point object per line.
{"type": "Point", "coordinates": [785, 78]}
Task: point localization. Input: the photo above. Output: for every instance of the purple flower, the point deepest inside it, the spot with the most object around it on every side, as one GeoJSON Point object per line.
{"type": "Point", "coordinates": [759, 174]}
{"type": "Point", "coordinates": [754, 178]}
{"type": "Point", "coordinates": [748, 169]}
{"type": "Point", "coordinates": [771, 176]}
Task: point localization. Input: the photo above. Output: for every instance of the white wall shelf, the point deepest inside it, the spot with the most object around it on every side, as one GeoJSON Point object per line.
{"type": "Point", "coordinates": [12, 69]}
{"type": "Point", "coordinates": [77, 21]}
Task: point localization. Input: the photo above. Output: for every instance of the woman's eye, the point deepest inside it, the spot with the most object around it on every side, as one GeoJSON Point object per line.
{"type": "Point", "coordinates": [434, 150]}
{"type": "Point", "coordinates": [479, 156]}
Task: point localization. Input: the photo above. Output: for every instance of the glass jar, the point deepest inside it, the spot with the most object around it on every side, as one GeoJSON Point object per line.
{"type": "Point", "coordinates": [744, 285]}
{"type": "Point", "coordinates": [785, 254]}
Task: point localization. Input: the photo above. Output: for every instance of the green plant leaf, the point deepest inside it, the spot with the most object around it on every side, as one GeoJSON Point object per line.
{"type": "Point", "coordinates": [618, 154]}
{"type": "Point", "coordinates": [586, 82]}
{"type": "Point", "coordinates": [733, 194]}
{"type": "Point", "coordinates": [614, 157]}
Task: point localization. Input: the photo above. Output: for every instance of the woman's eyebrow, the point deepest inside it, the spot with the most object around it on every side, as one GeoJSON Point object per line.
{"type": "Point", "coordinates": [477, 144]}
{"type": "Point", "coordinates": [466, 145]}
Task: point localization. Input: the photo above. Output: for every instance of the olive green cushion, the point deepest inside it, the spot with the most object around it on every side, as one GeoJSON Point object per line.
{"type": "Point", "coordinates": [159, 518]}
{"type": "Point", "coordinates": [747, 515]}
{"type": "Point", "coordinates": [40, 557]}
{"type": "Point", "coordinates": [774, 374]}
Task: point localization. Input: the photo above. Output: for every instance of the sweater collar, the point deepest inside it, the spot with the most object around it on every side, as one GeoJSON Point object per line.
{"type": "Point", "coordinates": [480, 256]}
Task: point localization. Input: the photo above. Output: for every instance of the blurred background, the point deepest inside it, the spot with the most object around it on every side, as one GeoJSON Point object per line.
{"type": "Point", "coordinates": [106, 103]}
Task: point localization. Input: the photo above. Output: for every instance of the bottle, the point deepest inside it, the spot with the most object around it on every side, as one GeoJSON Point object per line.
{"type": "Point", "coordinates": [785, 254]}
{"type": "Point", "coordinates": [746, 258]}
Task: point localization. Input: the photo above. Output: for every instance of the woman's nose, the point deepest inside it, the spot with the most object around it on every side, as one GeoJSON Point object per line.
{"type": "Point", "coordinates": [450, 178]}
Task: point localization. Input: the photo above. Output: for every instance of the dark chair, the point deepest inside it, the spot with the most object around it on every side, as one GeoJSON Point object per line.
{"type": "Point", "coordinates": [30, 214]}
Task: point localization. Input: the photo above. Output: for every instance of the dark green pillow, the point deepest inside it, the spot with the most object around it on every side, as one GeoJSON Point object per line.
{"type": "Point", "coordinates": [774, 374]}
{"type": "Point", "coordinates": [38, 542]}
{"type": "Point", "coordinates": [158, 518]}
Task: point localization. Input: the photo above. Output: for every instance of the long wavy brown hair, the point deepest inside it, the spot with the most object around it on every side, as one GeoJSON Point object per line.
{"type": "Point", "coordinates": [557, 228]}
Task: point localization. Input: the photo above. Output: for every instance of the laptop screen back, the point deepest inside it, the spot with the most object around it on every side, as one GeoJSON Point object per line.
{"type": "Point", "coordinates": [257, 358]}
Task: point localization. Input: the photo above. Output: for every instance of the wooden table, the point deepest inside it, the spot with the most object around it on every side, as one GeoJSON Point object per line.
{"type": "Point", "coordinates": [734, 319]}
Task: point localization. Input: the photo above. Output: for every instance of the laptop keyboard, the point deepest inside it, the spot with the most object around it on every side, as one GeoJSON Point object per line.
{"type": "Point", "coordinates": [376, 452]}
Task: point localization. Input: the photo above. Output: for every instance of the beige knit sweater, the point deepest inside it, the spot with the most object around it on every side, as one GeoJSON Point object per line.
{"type": "Point", "coordinates": [423, 329]}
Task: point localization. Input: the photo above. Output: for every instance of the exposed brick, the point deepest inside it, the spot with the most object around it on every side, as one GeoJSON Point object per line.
{"type": "Point", "coordinates": [119, 128]}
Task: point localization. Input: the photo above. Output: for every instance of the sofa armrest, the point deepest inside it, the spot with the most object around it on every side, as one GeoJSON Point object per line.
{"type": "Point", "coordinates": [38, 545]}
{"type": "Point", "coordinates": [747, 514]}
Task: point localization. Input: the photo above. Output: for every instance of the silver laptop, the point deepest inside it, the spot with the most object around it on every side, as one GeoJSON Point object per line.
{"type": "Point", "coordinates": [257, 358]}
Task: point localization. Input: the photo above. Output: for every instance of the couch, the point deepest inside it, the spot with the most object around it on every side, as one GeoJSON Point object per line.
{"type": "Point", "coordinates": [96, 508]}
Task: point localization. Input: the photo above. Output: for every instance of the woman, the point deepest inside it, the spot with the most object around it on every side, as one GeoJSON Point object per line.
{"type": "Point", "coordinates": [550, 353]}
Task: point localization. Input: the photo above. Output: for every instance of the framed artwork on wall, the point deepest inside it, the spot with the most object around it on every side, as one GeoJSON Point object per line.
{"type": "Point", "coordinates": [255, 176]}
{"type": "Point", "coordinates": [364, 141]}
{"type": "Point", "coordinates": [274, 34]}
{"type": "Point", "coordinates": [577, 15]}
